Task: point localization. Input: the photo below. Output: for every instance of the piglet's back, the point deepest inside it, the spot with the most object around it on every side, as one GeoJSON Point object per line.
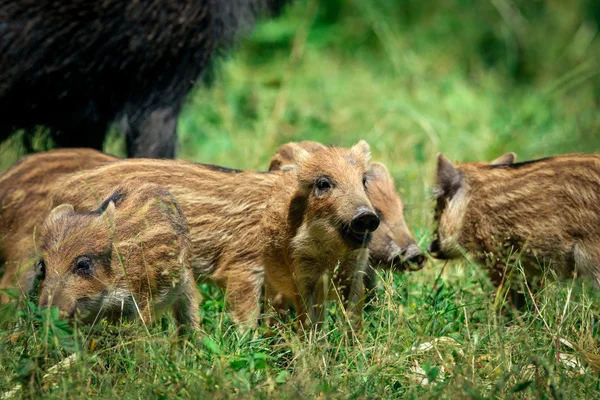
{"type": "Point", "coordinates": [550, 206]}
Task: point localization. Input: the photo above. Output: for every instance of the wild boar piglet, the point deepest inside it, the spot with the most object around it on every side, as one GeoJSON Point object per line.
{"type": "Point", "coordinates": [543, 213]}
{"type": "Point", "coordinates": [130, 258]}
{"type": "Point", "coordinates": [318, 232]}
{"type": "Point", "coordinates": [392, 244]}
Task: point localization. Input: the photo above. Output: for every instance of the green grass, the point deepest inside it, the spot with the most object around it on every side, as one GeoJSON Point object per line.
{"type": "Point", "coordinates": [412, 79]}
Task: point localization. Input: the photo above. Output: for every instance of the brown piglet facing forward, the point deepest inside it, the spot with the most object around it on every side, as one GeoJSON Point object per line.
{"type": "Point", "coordinates": [543, 214]}
{"type": "Point", "coordinates": [130, 258]}
{"type": "Point", "coordinates": [317, 233]}
{"type": "Point", "coordinates": [392, 245]}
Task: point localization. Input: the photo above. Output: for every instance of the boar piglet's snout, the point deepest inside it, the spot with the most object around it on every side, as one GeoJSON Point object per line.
{"type": "Point", "coordinates": [410, 258]}
{"type": "Point", "coordinates": [365, 220]}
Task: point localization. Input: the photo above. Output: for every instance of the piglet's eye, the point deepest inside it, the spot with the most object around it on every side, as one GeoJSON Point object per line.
{"type": "Point", "coordinates": [83, 265]}
{"type": "Point", "coordinates": [323, 184]}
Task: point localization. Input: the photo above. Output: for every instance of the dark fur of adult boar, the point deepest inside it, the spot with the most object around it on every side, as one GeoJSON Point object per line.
{"type": "Point", "coordinates": [544, 214]}
{"type": "Point", "coordinates": [224, 209]}
{"type": "Point", "coordinates": [129, 259]}
{"type": "Point", "coordinates": [24, 191]}
{"type": "Point", "coordinates": [76, 66]}
{"type": "Point", "coordinates": [392, 244]}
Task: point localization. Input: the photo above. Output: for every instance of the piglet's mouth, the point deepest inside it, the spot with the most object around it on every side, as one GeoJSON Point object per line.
{"type": "Point", "coordinates": [86, 310]}
{"type": "Point", "coordinates": [358, 239]}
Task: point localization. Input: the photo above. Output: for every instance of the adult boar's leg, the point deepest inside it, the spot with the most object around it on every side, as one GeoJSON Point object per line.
{"type": "Point", "coordinates": [151, 133]}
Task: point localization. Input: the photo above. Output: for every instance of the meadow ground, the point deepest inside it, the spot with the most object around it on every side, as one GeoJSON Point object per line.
{"type": "Point", "coordinates": [473, 79]}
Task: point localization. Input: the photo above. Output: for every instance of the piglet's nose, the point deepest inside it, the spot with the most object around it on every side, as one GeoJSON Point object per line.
{"type": "Point", "coordinates": [413, 256]}
{"type": "Point", "coordinates": [364, 220]}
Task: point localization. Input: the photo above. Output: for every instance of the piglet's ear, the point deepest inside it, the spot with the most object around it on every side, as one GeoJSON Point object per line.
{"type": "Point", "coordinates": [283, 156]}
{"type": "Point", "coordinates": [110, 210]}
{"type": "Point", "coordinates": [448, 178]}
{"type": "Point", "coordinates": [300, 154]}
{"type": "Point", "coordinates": [508, 158]}
{"type": "Point", "coordinates": [60, 211]}
{"type": "Point", "coordinates": [108, 215]}
{"type": "Point", "coordinates": [380, 172]}
{"type": "Point", "coordinates": [275, 163]}
{"type": "Point", "coordinates": [362, 151]}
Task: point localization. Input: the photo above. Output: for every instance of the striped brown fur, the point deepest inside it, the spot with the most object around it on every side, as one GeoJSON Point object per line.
{"type": "Point", "coordinates": [224, 209]}
{"type": "Point", "coordinates": [24, 191]}
{"type": "Point", "coordinates": [129, 258]}
{"type": "Point", "coordinates": [544, 213]}
{"type": "Point", "coordinates": [392, 244]}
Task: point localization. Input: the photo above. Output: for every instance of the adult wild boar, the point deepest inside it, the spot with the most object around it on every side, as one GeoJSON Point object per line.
{"type": "Point", "coordinates": [543, 213]}
{"type": "Point", "coordinates": [75, 66]}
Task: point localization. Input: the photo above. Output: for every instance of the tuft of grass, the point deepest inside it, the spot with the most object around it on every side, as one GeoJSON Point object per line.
{"type": "Point", "coordinates": [473, 79]}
